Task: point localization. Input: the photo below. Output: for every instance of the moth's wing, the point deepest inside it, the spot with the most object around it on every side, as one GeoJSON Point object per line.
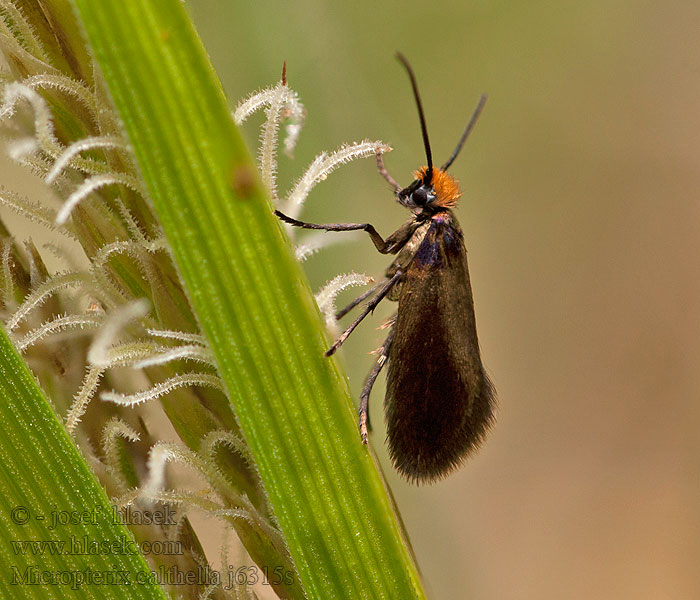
{"type": "Point", "coordinates": [439, 401]}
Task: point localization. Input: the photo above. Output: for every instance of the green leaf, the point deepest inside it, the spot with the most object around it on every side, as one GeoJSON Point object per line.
{"type": "Point", "coordinates": [43, 482]}
{"type": "Point", "coordinates": [253, 303]}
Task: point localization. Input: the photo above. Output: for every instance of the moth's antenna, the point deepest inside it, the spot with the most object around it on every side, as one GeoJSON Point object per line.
{"type": "Point", "coordinates": [467, 131]}
{"type": "Point", "coordinates": [424, 129]}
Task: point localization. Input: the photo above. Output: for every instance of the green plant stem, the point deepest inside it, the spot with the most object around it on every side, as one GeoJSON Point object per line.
{"type": "Point", "coordinates": [252, 301]}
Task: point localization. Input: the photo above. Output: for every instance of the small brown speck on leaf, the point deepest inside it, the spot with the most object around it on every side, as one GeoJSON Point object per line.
{"type": "Point", "coordinates": [243, 181]}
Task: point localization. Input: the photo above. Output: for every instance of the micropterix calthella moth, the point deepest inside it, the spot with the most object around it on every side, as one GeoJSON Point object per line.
{"type": "Point", "coordinates": [439, 401]}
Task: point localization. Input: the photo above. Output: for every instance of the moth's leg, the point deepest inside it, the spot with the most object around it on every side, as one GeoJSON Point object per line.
{"type": "Point", "coordinates": [369, 307]}
{"type": "Point", "coordinates": [381, 245]}
{"type": "Point", "coordinates": [341, 313]}
{"type": "Point", "coordinates": [369, 382]}
{"type": "Point", "coordinates": [384, 173]}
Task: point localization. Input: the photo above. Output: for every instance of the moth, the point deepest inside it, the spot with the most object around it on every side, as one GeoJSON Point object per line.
{"type": "Point", "coordinates": [439, 402]}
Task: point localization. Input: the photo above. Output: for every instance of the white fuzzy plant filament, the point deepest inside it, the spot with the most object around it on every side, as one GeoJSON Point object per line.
{"type": "Point", "coordinates": [98, 354]}
{"type": "Point", "coordinates": [322, 166]}
{"type": "Point", "coordinates": [89, 186]}
{"type": "Point", "coordinates": [325, 298]}
{"type": "Point", "coordinates": [164, 387]}
{"type": "Point", "coordinates": [89, 143]}
{"type": "Point", "coordinates": [42, 293]}
{"type": "Point", "coordinates": [60, 323]}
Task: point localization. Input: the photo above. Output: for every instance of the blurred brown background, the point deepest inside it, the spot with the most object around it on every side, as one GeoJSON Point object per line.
{"type": "Point", "coordinates": [582, 219]}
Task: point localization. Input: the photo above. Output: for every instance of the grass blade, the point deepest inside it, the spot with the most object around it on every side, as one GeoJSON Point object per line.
{"type": "Point", "coordinates": [42, 474]}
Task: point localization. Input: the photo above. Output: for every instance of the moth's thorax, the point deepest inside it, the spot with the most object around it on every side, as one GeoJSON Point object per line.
{"type": "Point", "coordinates": [444, 216]}
{"type": "Point", "coordinates": [446, 187]}
{"type": "Point", "coordinates": [409, 248]}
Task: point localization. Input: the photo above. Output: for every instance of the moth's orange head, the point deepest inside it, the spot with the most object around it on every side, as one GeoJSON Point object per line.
{"type": "Point", "coordinates": [446, 187]}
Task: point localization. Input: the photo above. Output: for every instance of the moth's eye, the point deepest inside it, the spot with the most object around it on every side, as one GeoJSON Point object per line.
{"type": "Point", "coordinates": [423, 195]}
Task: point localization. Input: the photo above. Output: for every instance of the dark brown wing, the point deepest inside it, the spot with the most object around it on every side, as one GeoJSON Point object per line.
{"type": "Point", "coordinates": [439, 401]}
